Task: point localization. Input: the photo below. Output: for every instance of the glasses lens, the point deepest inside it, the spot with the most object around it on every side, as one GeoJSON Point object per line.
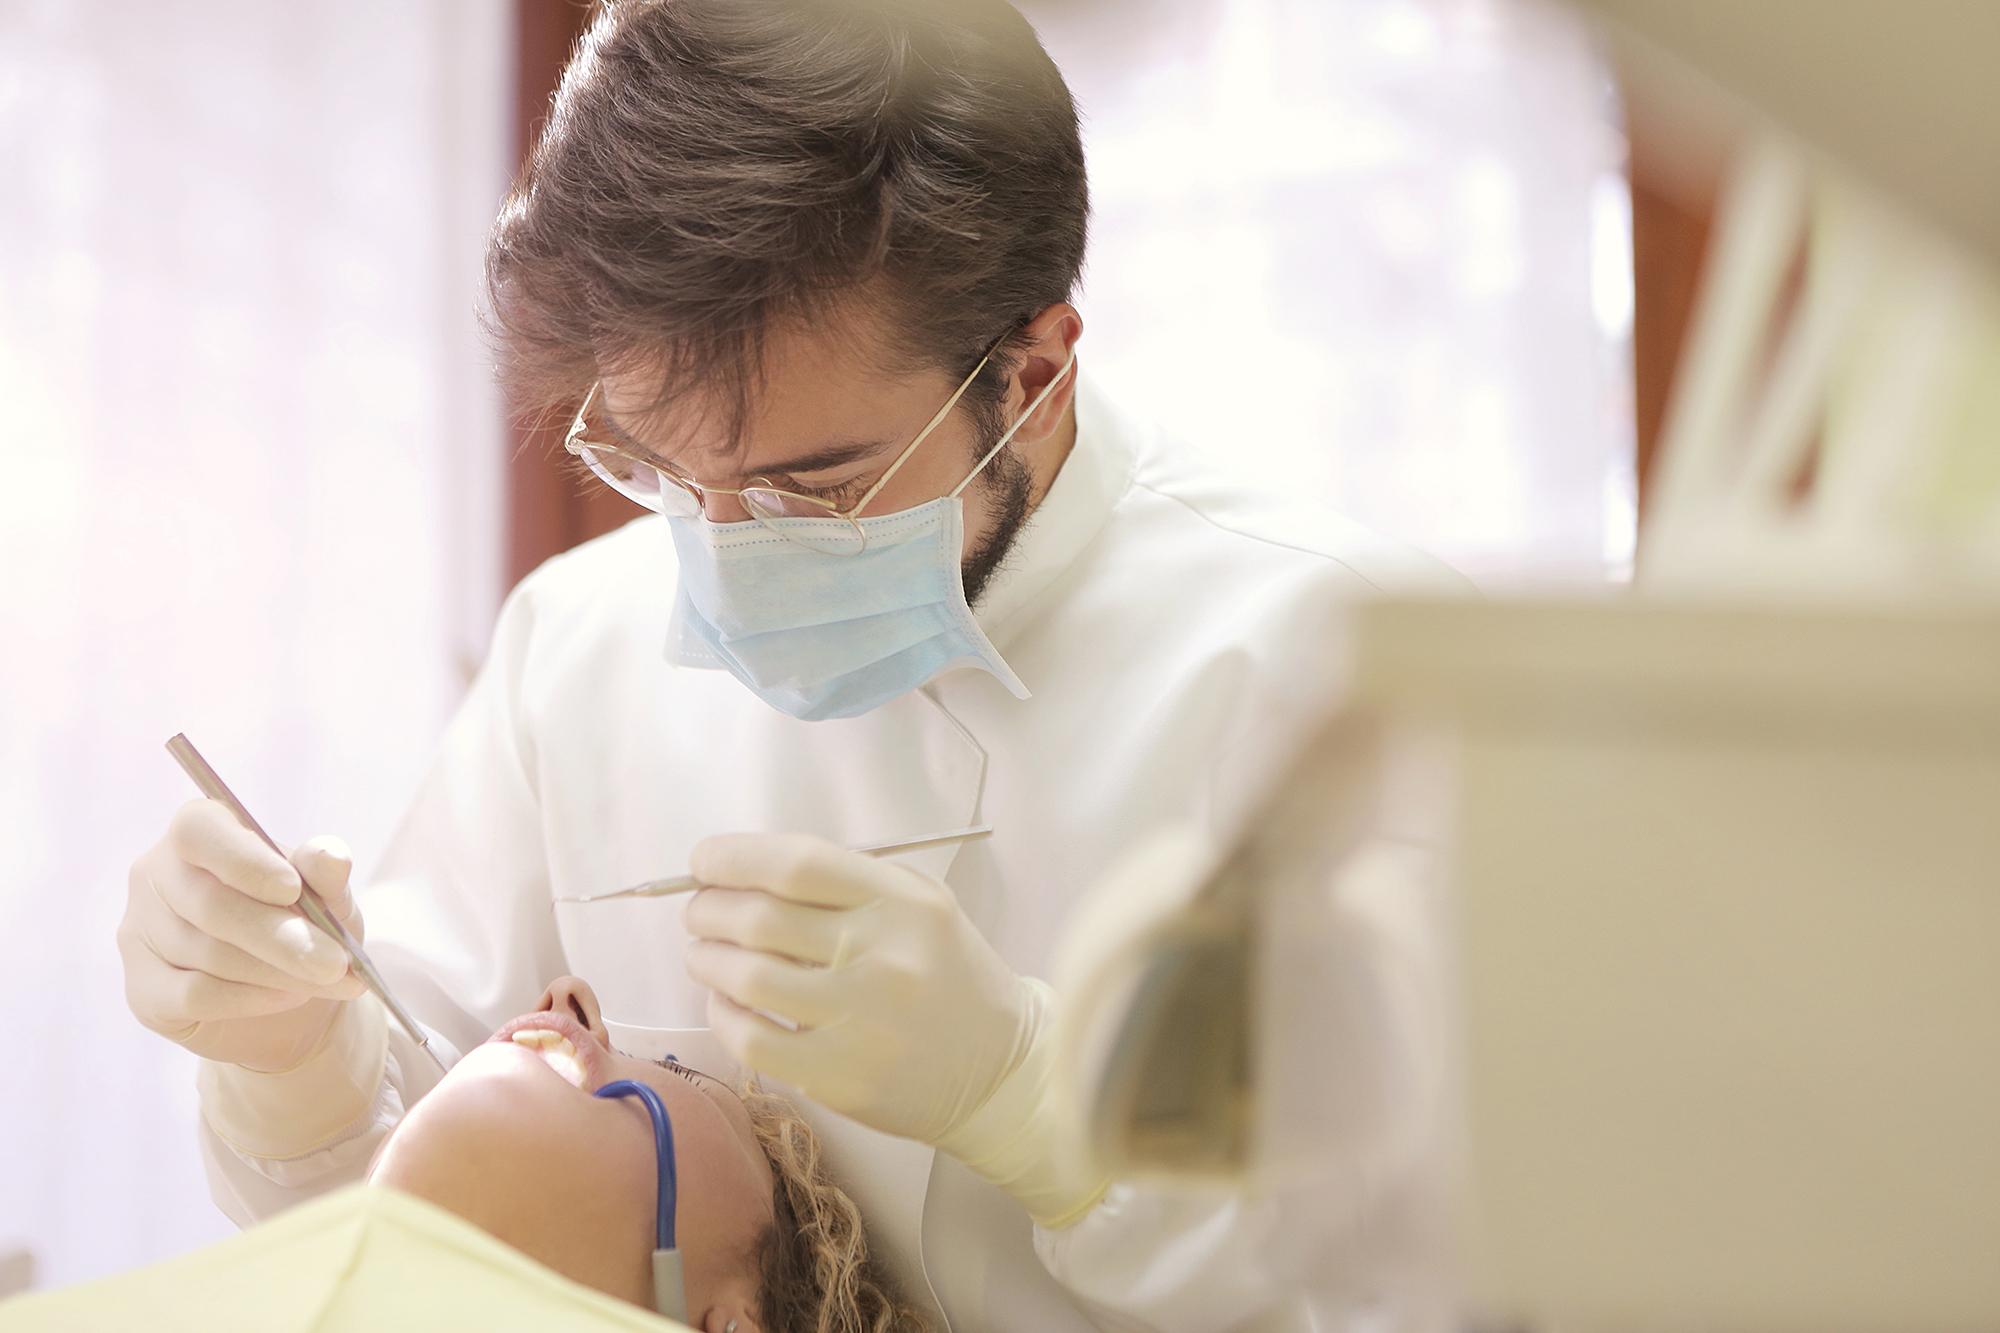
{"type": "Point", "coordinates": [804, 521]}
{"type": "Point", "coordinates": [641, 483]}
{"type": "Point", "coordinates": [769, 502]}
{"type": "Point", "coordinates": [627, 476]}
{"type": "Point", "coordinates": [676, 500]}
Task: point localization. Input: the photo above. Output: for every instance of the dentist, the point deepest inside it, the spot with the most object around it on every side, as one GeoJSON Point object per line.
{"type": "Point", "coordinates": [897, 567]}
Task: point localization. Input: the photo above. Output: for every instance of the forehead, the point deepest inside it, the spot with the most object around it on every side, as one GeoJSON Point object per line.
{"type": "Point", "coordinates": [817, 387]}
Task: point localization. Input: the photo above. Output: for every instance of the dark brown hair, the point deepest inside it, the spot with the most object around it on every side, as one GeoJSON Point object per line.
{"type": "Point", "coordinates": [712, 169]}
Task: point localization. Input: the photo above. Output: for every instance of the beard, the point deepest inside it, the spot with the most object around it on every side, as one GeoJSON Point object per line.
{"type": "Point", "coordinates": [1005, 490]}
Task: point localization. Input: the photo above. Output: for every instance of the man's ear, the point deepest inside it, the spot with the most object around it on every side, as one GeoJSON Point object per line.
{"type": "Point", "coordinates": [1050, 340]}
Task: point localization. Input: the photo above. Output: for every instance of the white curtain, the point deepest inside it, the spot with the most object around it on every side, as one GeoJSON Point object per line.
{"type": "Point", "coordinates": [1372, 251]}
{"type": "Point", "coordinates": [249, 479]}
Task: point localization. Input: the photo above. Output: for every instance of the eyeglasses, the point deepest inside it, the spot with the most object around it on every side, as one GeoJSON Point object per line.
{"type": "Point", "coordinates": [806, 520]}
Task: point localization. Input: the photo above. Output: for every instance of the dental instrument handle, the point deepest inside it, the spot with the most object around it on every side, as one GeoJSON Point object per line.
{"type": "Point", "coordinates": [310, 904]}
{"type": "Point", "coordinates": [662, 888]}
{"type": "Point", "coordinates": [933, 840]}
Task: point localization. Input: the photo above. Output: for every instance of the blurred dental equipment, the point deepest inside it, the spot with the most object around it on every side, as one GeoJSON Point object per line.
{"type": "Point", "coordinates": [1860, 466]}
{"type": "Point", "coordinates": [310, 905]}
{"type": "Point", "coordinates": [1712, 1040]}
{"type": "Point", "coordinates": [1724, 852]}
{"type": "Point", "coordinates": [1833, 427]}
{"type": "Point", "coordinates": [1722, 915]}
{"type": "Point", "coordinates": [1172, 961]}
{"type": "Point", "coordinates": [660, 888]}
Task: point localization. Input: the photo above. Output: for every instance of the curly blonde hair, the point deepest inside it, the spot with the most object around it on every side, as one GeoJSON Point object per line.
{"type": "Point", "coordinates": [816, 1273]}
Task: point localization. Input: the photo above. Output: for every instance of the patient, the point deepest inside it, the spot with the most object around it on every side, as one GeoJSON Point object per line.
{"type": "Point", "coordinates": [514, 1142]}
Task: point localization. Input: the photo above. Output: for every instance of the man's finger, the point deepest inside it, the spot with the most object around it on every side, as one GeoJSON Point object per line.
{"type": "Point", "coordinates": [186, 949]}
{"type": "Point", "coordinates": [277, 935]}
{"type": "Point", "coordinates": [812, 1060]}
{"type": "Point", "coordinates": [197, 996]}
{"type": "Point", "coordinates": [328, 866]}
{"type": "Point", "coordinates": [759, 981]}
{"type": "Point", "coordinates": [791, 866]}
{"type": "Point", "coordinates": [204, 833]}
{"type": "Point", "coordinates": [752, 1040]}
{"type": "Point", "coordinates": [753, 919]}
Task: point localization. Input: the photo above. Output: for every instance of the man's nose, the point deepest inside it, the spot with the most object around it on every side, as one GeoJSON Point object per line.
{"type": "Point", "coordinates": [722, 508]}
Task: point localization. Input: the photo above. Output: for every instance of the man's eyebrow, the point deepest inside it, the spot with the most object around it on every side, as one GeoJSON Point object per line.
{"type": "Point", "coordinates": [836, 454]}
{"type": "Point", "coordinates": [617, 433]}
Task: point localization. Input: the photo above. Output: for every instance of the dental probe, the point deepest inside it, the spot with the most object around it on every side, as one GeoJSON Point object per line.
{"type": "Point", "coordinates": [310, 903]}
{"type": "Point", "coordinates": [660, 888]}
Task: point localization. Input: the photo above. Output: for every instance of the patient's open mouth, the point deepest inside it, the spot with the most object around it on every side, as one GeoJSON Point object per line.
{"type": "Point", "coordinates": [562, 1043]}
{"type": "Point", "coordinates": [556, 1050]}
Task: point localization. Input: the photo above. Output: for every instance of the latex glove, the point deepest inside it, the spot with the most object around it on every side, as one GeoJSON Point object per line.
{"type": "Point", "coordinates": [906, 1019]}
{"type": "Point", "coordinates": [216, 959]}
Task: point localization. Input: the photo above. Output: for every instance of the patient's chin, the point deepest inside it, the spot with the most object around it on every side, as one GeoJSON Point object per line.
{"type": "Point", "coordinates": [511, 1147]}
{"type": "Point", "coordinates": [552, 1071]}
{"type": "Point", "coordinates": [500, 1108]}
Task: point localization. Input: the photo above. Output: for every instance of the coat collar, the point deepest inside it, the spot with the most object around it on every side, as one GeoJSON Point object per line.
{"type": "Point", "coordinates": [1089, 485]}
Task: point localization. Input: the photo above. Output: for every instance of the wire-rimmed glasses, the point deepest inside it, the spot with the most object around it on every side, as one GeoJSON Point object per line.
{"type": "Point", "coordinates": [805, 520]}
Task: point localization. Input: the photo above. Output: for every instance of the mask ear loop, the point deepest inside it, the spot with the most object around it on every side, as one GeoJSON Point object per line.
{"type": "Point", "coordinates": [1012, 430]}
{"type": "Point", "coordinates": [669, 1286]}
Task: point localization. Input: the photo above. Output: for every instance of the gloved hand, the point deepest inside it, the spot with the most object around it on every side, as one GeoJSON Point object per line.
{"type": "Point", "coordinates": [907, 1020]}
{"type": "Point", "coordinates": [215, 957]}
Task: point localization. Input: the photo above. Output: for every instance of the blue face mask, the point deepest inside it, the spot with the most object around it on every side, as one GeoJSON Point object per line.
{"type": "Point", "coordinates": [834, 617]}
{"type": "Point", "coordinates": [669, 1287]}
{"type": "Point", "coordinates": [818, 635]}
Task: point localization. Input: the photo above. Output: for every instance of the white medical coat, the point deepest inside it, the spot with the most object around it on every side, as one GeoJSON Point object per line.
{"type": "Point", "coordinates": [1173, 629]}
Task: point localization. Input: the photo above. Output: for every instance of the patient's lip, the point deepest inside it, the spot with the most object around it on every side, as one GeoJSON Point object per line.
{"type": "Point", "coordinates": [590, 1052]}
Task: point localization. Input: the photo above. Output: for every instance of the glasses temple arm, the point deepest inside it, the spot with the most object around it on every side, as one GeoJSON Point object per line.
{"type": "Point", "coordinates": [576, 424]}
{"type": "Point", "coordinates": [922, 435]}
{"type": "Point", "coordinates": [1008, 438]}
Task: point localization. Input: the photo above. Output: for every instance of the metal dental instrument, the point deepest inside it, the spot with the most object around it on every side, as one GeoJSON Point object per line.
{"type": "Point", "coordinates": [310, 905]}
{"type": "Point", "coordinates": [661, 888]}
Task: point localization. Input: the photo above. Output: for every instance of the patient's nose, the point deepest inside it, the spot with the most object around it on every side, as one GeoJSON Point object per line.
{"type": "Point", "coordinates": [574, 996]}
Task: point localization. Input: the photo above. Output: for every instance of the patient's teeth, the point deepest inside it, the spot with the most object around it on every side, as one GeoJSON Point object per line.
{"type": "Point", "coordinates": [556, 1050]}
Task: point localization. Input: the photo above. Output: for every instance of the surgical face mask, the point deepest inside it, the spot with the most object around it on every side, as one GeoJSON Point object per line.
{"type": "Point", "coordinates": [669, 1285]}
{"type": "Point", "coordinates": [833, 617]}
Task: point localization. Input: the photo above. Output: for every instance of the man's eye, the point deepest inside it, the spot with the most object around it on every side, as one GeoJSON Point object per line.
{"type": "Point", "coordinates": [838, 490]}
{"type": "Point", "coordinates": [674, 1068]}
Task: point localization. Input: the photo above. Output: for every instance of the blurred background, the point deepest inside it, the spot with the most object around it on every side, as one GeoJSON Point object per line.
{"type": "Point", "coordinates": [257, 482]}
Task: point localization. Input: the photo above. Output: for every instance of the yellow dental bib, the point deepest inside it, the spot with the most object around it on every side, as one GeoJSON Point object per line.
{"type": "Point", "coordinates": [363, 1258]}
